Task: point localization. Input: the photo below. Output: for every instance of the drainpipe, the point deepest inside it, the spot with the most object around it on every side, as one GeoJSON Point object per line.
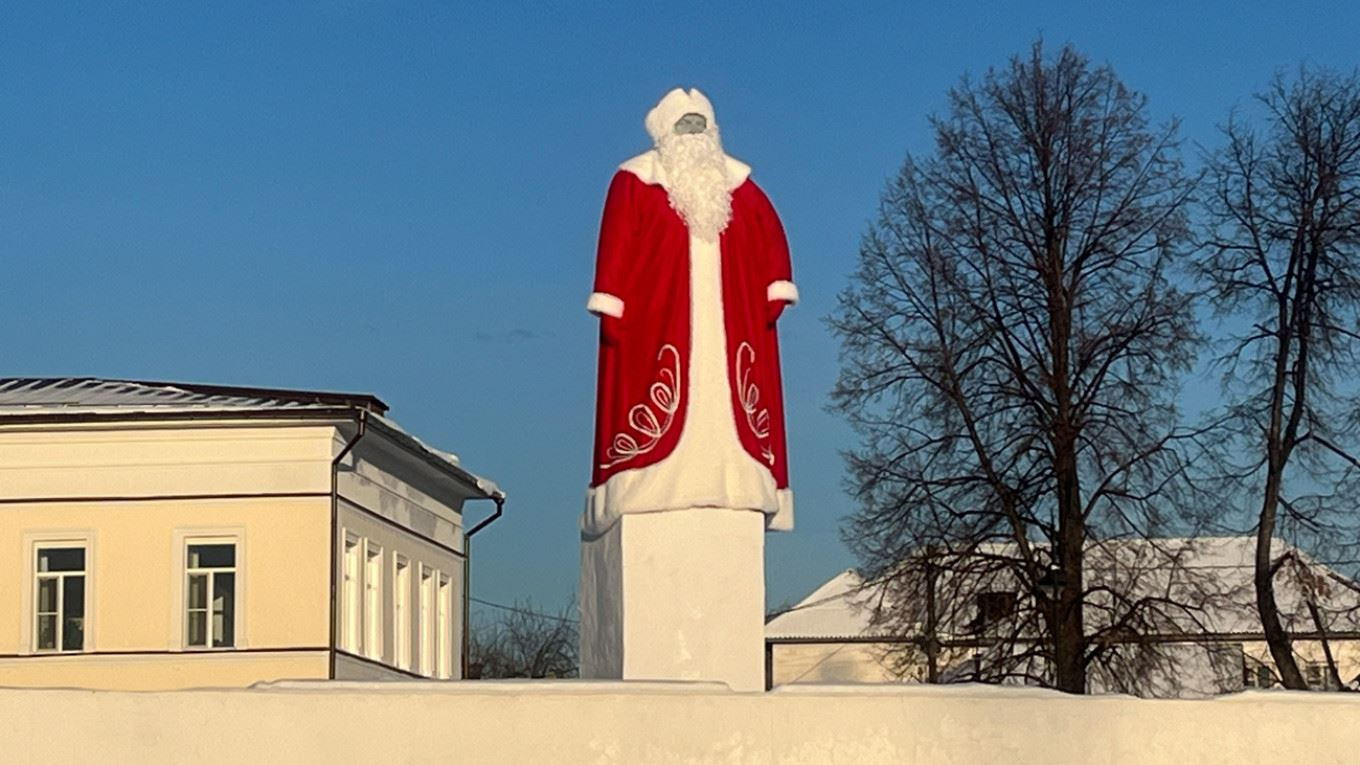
{"type": "Point", "coordinates": [467, 578]}
{"type": "Point", "coordinates": [362, 419]}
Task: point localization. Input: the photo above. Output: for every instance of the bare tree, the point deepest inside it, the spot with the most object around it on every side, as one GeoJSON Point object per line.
{"type": "Point", "coordinates": [523, 642]}
{"type": "Point", "coordinates": [1284, 261]}
{"type": "Point", "coordinates": [1011, 343]}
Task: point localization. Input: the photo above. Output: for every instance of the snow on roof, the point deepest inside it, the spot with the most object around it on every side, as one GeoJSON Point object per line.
{"type": "Point", "coordinates": [486, 486]}
{"type": "Point", "coordinates": [836, 609]}
{"type": "Point", "coordinates": [1219, 569]}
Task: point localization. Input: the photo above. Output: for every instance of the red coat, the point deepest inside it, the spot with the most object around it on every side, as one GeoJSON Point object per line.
{"type": "Point", "coordinates": [642, 278]}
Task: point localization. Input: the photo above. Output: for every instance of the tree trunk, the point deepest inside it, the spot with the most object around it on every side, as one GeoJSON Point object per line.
{"type": "Point", "coordinates": [1276, 637]}
{"type": "Point", "coordinates": [1069, 640]}
{"type": "Point", "coordinates": [932, 622]}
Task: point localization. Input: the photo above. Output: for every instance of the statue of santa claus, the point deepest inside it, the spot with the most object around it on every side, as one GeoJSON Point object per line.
{"type": "Point", "coordinates": [692, 274]}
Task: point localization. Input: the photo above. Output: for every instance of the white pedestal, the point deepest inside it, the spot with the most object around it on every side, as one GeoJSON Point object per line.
{"type": "Point", "coordinates": [677, 595]}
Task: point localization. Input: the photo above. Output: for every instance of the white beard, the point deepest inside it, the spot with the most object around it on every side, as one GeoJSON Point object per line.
{"type": "Point", "coordinates": [696, 181]}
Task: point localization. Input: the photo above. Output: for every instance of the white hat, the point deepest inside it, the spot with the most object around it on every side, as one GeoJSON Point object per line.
{"type": "Point", "coordinates": [676, 104]}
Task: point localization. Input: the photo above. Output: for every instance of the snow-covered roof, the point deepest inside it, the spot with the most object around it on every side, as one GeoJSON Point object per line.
{"type": "Point", "coordinates": [29, 399]}
{"type": "Point", "coordinates": [1218, 571]}
{"type": "Point", "coordinates": [838, 608]}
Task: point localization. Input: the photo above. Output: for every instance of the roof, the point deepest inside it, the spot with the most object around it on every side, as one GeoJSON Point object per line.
{"type": "Point", "coordinates": [60, 399]}
{"type": "Point", "coordinates": [65, 394]}
{"type": "Point", "coordinates": [1217, 569]}
{"type": "Point", "coordinates": [836, 609]}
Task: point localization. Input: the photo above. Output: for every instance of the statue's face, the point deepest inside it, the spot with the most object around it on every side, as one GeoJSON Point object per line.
{"type": "Point", "coordinates": [691, 123]}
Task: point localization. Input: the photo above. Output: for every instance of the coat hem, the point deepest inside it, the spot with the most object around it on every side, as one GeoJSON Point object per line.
{"type": "Point", "coordinates": [599, 517]}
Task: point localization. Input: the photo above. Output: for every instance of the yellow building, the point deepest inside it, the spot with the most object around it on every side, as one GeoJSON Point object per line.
{"type": "Point", "coordinates": [157, 536]}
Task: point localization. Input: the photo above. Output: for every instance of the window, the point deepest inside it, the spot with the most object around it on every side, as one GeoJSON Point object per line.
{"type": "Point", "coordinates": [1256, 674]}
{"type": "Point", "coordinates": [373, 605]}
{"type": "Point", "coordinates": [210, 595]}
{"type": "Point", "coordinates": [445, 642]}
{"type": "Point", "coordinates": [1319, 678]}
{"type": "Point", "coordinates": [59, 598]}
{"type": "Point", "coordinates": [993, 607]}
{"type": "Point", "coordinates": [401, 612]}
{"type": "Point", "coordinates": [426, 624]}
{"type": "Point", "coordinates": [349, 595]}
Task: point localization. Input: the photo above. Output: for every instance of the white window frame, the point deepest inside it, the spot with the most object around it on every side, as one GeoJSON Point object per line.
{"type": "Point", "coordinates": [211, 574]}
{"type": "Point", "coordinates": [351, 592]}
{"type": "Point", "coordinates": [373, 600]}
{"type": "Point", "coordinates": [444, 615]}
{"type": "Point", "coordinates": [401, 611]}
{"type": "Point", "coordinates": [428, 577]}
{"type": "Point", "coordinates": [28, 624]}
{"type": "Point", "coordinates": [181, 539]}
{"type": "Point", "coordinates": [59, 613]}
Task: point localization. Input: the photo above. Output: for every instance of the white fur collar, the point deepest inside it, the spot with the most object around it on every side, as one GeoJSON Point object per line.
{"type": "Point", "coordinates": [647, 167]}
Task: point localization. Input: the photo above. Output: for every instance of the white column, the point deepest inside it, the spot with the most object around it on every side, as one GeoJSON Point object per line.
{"type": "Point", "coordinates": [676, 595]}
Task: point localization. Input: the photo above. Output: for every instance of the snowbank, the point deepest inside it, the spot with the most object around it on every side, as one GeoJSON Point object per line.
{"type": "Point", "coordinates": [632, 723]}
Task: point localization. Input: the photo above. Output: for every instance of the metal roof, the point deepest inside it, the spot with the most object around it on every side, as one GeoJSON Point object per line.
{"type": "Point", "coordinates": [28, 400]}
{"type": "Point", "coordinates": [46, 394]}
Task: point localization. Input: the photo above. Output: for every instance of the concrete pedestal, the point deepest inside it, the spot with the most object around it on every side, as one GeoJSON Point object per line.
{"type": "Point", "coordinates": [677, 595]}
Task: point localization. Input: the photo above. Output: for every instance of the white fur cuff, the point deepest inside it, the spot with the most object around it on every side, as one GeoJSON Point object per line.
{"type": "Point", "coordinates": [782, 290]}
{"type": "Point", "coordinates": [605, 304]}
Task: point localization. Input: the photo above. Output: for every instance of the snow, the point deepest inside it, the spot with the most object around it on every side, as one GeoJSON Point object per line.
{"type": "Point", "coordinates": [836, 609]}
{"type": "Point", "coordinates": [555, 721]}
{"type": "Point", "coordinates": [675, 595]}
{"type": "Point", "coordinates": [485, 485]}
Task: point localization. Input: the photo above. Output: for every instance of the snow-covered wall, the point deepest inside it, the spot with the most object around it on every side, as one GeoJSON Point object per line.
{"type": "Point", "coordinates": [626, 723]}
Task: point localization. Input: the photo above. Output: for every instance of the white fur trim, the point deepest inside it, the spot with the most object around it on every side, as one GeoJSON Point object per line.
{"type": "Point", "coordinates": [674, 105]}
{"type": "Point", "coordinates": [781, 519]}
{"type": "Point", "coordinates": [605, 304]}
{"type": "Point", "coordinates": [602, 510]}
{"type": "Point", "coordinates": [647, 167]}
{"type": "Point", "coordinates": [782, 290]}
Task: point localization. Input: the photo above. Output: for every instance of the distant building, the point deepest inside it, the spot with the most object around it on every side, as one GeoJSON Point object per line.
{"type": "Point", "coordinates": [831, 636]}
{"type": "Point", "coordinates": [157, 536]}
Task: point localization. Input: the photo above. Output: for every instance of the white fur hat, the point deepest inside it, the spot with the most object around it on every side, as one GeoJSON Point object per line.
{"type": "Point", "coordinates": [676, 104]}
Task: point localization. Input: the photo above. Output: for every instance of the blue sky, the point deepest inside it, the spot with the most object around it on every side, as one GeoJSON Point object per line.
{"type": "Point", "coordinates": [403, 199]}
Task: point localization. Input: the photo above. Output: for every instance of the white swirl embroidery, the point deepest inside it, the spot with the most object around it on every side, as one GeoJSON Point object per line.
{"type": "Point", "coordinates": [651, 425]}
{"type": "Point", "coordinates": [748, 394]}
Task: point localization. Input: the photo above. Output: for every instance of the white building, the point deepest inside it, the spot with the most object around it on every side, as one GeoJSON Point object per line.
{"type": "Point", "coordinates": [832, 635]}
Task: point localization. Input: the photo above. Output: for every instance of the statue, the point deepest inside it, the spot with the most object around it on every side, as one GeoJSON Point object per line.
{"type": "Point", "coordinates": [689, 467]}
{"type": "Point", "coordinates": [692, 275]}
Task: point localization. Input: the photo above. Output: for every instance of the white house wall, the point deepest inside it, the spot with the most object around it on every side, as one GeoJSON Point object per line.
{"type": "Point", "coordinates": [417, 552]}
{"type": "Point", "coordinates": [388, 481]}
{"type": "Point", "coordinates": [830, 663]}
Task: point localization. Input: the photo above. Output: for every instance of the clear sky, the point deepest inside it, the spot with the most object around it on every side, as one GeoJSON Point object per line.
{"type": "Point", "coordinates": [403, 199]}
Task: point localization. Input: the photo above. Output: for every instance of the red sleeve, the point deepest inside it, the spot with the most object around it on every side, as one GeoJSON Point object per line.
{"type": "Point", "coordinates": [779, 274]}
{"type": "Point", "coordinates": [616, 237]}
